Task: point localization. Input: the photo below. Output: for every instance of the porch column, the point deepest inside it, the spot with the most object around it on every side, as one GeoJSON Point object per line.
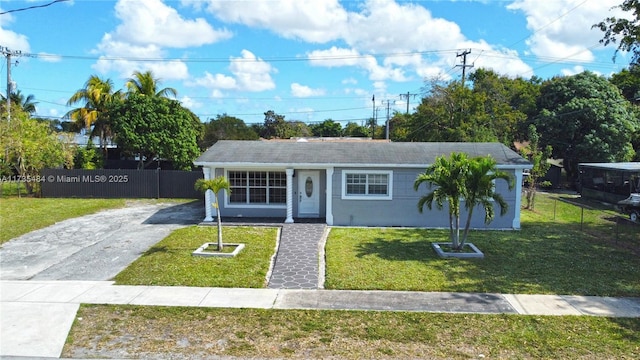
{"type": "Point", "coordinates": [329, 192]}
{"type": "Point", "coordinates": [207, 196]}
{"type": "Point", "coordinates": [516, 217]}
{"type": "Point", "coordinates": [289, 218]}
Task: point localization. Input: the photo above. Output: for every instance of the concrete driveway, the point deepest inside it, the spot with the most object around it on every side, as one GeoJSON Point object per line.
{"type": "Point", "coordinates": [93, 247]}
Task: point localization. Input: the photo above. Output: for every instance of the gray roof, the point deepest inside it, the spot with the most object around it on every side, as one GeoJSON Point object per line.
{"type": "Point", "coordinates": [624, 166]}
{"type": "Point", "coordinates": [349, 153]}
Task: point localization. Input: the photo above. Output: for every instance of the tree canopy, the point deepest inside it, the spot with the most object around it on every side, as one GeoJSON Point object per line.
{"type": "Point", "coordinates": [225, 127]}
{"type": "Point", "coordinates": [156, 128]}
{"type": "Point", "coordinates": [625, 32]}
{"type": "Point", "coordinates": [585, 119]}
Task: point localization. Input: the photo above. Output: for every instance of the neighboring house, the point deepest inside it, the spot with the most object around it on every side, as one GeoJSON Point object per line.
{"type": "Point", "coordinates": [356, 183]}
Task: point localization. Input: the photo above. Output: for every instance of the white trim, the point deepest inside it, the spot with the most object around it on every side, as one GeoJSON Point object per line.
{"type": "Point", "coordinates": [389, 195]}
{"type": "Point", "coordinates": [323, 166]}
{"type": "Point", "coordinates": [518, 200]}
{"type": "Point", "coordinates": [289, 219]}
{"type": "Point", "coordinates": [207, 196]}
{"type": "Point", "coordinates": [329, 196]}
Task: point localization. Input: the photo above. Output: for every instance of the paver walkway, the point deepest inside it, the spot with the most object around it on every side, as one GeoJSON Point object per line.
{"type": "Point", "coordinates": [297, 260]}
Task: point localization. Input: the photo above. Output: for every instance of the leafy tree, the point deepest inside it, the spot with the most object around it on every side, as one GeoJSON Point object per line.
{"type": "Point", "coordinates": [539, 159]}
{"type": "Point", "coordinates": [624, 32]}
{"type": "Point", "coordinates": [144, 83]}
{"type": "Point", "coordinates": [276, 127]}
{"type": "Point", "coordinates": [628, 81]}
{"type": "Point", "coordinates": [354, 130]}
{"type": "Point", "coordinates": [87, 157]}
{"type": "Point", "coordinates": [28, 146]}
{"type": "Point", "coordinates": [452, 112]}
{"type": "Point", "coordinates": [215, 185]}
{"type": "Point", "coordinates": [456, 178]}
{"type": "Point", "coordinates": [327, 128]}
{"type": "Point", "coordinates": [96, 96]}
{"type": "Point", "coordinates": [225, 127]}
{"type": "Point", "coordinates": [585, 119]}
{"type": "Point", "coordinates": [448, 175]}
{"type": "Point", "coordinates": [156, 128]}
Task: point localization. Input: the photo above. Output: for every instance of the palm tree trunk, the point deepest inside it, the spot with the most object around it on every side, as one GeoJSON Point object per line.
{"type": "Point", "coordinates": [220, 245]}
{"type": "Point", "coordinates": [466, 229]}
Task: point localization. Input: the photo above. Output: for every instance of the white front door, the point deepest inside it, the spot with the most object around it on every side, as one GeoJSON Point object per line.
{"type": "Point", "coordinates": [308, 193]}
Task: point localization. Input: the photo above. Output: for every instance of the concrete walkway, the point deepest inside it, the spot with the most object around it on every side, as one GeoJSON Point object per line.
{"type": "Point", "coordinates": [36, 316]}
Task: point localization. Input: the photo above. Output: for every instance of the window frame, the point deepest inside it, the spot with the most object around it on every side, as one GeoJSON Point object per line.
{"type": "Point", "coordinates": [247, 187]}
{"type": "Point", "coordinates": [366, 195]}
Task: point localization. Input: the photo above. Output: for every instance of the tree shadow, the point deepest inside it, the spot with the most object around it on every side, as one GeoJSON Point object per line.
{"type": "Point", "coordinates": [414, 246]}
{"type": "Point", "coordinates": [190, 213]}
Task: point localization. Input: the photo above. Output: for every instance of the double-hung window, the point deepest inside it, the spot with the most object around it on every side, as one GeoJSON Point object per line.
{"type": "Point", "coordinates": [366, 184]}
{"type": "Point", "coordinates": [258, 187]}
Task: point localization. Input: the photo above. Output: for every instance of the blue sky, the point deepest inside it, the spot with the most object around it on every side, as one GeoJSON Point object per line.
{"type": "Point", "coordinates": [308, 60]}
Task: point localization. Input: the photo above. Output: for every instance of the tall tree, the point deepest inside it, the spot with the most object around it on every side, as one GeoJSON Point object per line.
{"type": "Point", "coordinates": [225, 127]}
{"type": "Point", "coordinates": [623, 31]}
{"type": "Point", "coordinates": [628, 81]}
{"type": "Point", "coordinates": [96, 97]}
{"type": "Point", "coordinates": [146, 84]}
{"type": "Point", "coordinates": [327, 128]}
{"type": "Point", "coordinates": [354, 130]}
{"type": "Point", "coordinates": [156, 128]}
{"type": "Point", "coordinates": [585, 119]}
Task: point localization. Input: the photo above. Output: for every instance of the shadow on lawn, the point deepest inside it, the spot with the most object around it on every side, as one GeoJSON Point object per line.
{"type": "Point", "coordinates": [415, 245]}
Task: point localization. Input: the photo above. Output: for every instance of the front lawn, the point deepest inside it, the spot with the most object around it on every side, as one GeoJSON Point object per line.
{"type": "Point", "coordinates": [107, 331]}
{"type": "Point", "coordinates": [170, 262]}
{"type": "Point", "coordinates": [545, 257]}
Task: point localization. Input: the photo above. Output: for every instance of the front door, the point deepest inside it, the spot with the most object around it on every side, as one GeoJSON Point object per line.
{"type": "Point", "coordinates": [308, 193]}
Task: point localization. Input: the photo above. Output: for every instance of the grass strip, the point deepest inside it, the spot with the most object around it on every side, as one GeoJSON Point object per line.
{"type": "Point", "coordinates": [107, 331]}
{"type": "Point", "coordinates": [170, 262]}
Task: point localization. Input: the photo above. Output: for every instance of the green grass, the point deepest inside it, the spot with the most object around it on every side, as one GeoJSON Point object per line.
{"type": "Point", "coordinates": [20, 215]}
{"type": "Point", "coordinates": [170, 262]}
{"type": "Point", "coordinates": [147, 332]}
{"type": "Point", "coordinates": [545, 257]}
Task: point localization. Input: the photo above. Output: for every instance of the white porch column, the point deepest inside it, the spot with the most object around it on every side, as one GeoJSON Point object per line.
{"type": "Point", "coordinates": [207, 196]}
{"type": "Point", "coordinates": [289, 218]}
{"type": "Point", "coordinates": [329, 192]}
{"type": "Point", "coordinates": [516, 218]}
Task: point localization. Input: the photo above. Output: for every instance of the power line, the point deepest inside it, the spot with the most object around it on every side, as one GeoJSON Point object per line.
{"type": "Point", "coordinates": [31, 7]}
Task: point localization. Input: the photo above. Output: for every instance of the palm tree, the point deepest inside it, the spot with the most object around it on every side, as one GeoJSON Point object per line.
{"type": "Point", "coordinates": [449, 175]}
{"type": "Point", "coordinates": [145, 84]}
{"type": "Point", "coordinates": [25, 103]}
{"type": "Point", "coordinates": [480, 184]}
{"type": "Point", "coordinates": [96, 95]}
{"type": "Point", "coordinates": [215, 185]}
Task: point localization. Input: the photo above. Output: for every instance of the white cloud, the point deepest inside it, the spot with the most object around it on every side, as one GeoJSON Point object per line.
{"type": "Point", "coordinates": [573, 71]}
{"type": "Point", "coordinates": [248, 73]}
{"type": "Point", "coordinates": [316, 21]}
{"type": "Point", "coordinates": [10, 39]}
{"type": "Point", "coordinates": [46, 57]}
{"type": "Point", "coordinates": [340, 57]}
{"type": "Point", "coordinates": [190, 103]}
{"type": "Point", "coordinates": [562, 28]}
{"type": "Point", "coordinates": [349, 81]}
{"type": "Point", "coordinates": [146, 28]}
{"type": "Point", "coordinates": [298, 90]}
{"type": "Point", "coordinates": [147, 22]}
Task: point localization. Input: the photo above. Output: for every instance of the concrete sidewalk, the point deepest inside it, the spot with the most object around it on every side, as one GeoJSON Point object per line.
{"type": "Point", "coordinates": [36, 316]}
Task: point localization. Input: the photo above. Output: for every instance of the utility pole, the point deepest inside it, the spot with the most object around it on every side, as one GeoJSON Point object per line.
{"type": "Point", "coordinates": [407, 95]}
{"type": "Point", "coordinates": [464, 65]}
{"type": "Point", "coordinates": [8, 54]}
{"type": "Point", "coordinates": [373, 117]}
{"type": "Point", "coordinates": [387, 122]}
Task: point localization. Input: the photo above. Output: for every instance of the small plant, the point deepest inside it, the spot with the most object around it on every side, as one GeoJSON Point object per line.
{"type": "Point", "coordinates": [215, 185]}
